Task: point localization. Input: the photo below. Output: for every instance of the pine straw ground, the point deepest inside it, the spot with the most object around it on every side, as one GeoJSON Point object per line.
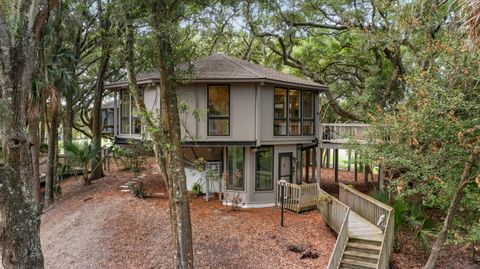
{"type": "Point", "coordinates": [100, 227]}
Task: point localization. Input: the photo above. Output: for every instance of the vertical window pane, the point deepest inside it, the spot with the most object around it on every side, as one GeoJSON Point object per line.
{"type": "Point", "coordinates": [218, 110]}
{"type": "Point", "coordinates": [218, 100]}
{"type": "Point", "coordinates": [308, 127]}
{"type": "Point", "coordinates": [294, 104]}
{"type": "Point", "coordinates": [264, 169]}
{"type": "Point", "coordinates": [125, 112]}
{"type": "Point", "coordinates": [294, 127]}
{"type": "Point", "coordinates": [280, 127]}
{"type": "Point", "coordinates": [308, 107]}
{"type": "Point", "coordinates": [235, 168]}
{"type": "Point", "coordinates": [280, 103]}
{"type": "Point", "coordinates": [218, 126]}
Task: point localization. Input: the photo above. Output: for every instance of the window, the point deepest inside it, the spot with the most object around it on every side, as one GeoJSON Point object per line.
{"type": "Point", "coordinates": [280, 112]}
{"type": "Point", "coordinates": [125, 112]}
{"type": "Point", "coordinates": [264, 169]}
{"type": "Point", "coordinates": [294, 123]}
{"type": "Point", "coordinates": [235, 168]}
{"type": "Point", "coordinates": [218, 110]}
{"type": "Point", "coordinates": [136, 123]}
{"type": "Point", "coordinates": [308, 113]}
{"type": "Point", "coordinates": [130, 120]}
{"type": "Point", "coordinates": [294, 112]}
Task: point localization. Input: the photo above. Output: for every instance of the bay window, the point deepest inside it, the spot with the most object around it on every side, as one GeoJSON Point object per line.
{"type": "Point", "coordinates": [218, 110]}
{"type": "Point", "coordinates": [129, 118]}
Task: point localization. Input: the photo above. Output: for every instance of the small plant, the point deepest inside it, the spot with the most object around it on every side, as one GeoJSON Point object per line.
{"type": "Point", "coordinates": [138, 190]}
{"type": "Point", "coordinates": [236, 201]}
{"type": "Point", "coordinates": [82, 155]}
{"type": "Point", "coordinates": [197, 188]}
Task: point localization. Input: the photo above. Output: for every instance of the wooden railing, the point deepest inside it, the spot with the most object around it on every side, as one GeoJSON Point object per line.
{"type": "Point", "coordinates": [343, 132]}
{"type": "Point", "coordinates": [335, 214]}
{"type": "Point", "coordinates": [299, 198]}
{"type": "Point", "coordinates": [376, 213]}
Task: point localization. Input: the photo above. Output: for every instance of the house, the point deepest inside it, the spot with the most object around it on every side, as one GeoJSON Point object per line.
{"type": "Point", "coordinates": [255, 124]}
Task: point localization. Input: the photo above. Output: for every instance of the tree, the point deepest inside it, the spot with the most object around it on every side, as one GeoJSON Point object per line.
{"type": "Point", "coordinates": [164, 127]}
{"type": "Point", "coordinates": [20, 30]}
{"type": "Point", "coordinates": [99, 89]}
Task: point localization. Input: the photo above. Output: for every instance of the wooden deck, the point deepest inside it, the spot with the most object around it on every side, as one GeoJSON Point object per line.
{"type": "Point", "coordinates": [360, 228]}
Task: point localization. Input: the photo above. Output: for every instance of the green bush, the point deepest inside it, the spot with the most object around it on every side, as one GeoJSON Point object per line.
{"type": "Point", "coordinates": [132, 156]}
{"type": "Point", "coordinates": [197, 188]}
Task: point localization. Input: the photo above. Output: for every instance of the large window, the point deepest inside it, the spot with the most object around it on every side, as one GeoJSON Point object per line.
{"type": "Point", "coordinates": [235, 168]}
{"type": "Point", "coordinates": [280, 112]}
{"type": "Point", "coordinates": [218, 110]}
{"type": "Point", "coordinates": [130, 120]}
{"type": "Point", "coordinates": [125, 112]}
{"type": "Point", "coordinates": [294, 112]}
{"type": "Point", "coordinates": [308, 113]}
{"type": "Point", "coordinates": [264, 169]}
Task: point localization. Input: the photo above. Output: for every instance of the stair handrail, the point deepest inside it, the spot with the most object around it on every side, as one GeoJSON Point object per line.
{"type": "Point", "coordinates": [340, 244]}
{"type": "Point", "coordinates": [387, 242]}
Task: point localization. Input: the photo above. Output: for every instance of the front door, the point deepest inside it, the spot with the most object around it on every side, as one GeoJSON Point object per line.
{"type": "Point", "coordinates": [285, 166]}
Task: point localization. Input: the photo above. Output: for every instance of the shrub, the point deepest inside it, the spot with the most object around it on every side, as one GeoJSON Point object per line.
{"type": "Point", "coordinates": [81, 154]}
{"type": "Point", "coordinates": [132, 156]}
{"type": "Point", "coordinates": [197, 188]}
{"type": "Point", "coordinates": [138, 190]}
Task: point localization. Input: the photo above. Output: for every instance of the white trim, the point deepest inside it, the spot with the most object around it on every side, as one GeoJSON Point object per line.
{"type": "Point", "coordinates": [253, 205]}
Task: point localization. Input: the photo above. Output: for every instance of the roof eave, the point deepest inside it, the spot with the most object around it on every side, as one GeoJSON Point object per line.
{"type": "Point", "coordinates": [119, 85]}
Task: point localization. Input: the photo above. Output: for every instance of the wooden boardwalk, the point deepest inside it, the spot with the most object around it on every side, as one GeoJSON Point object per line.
{"type": "Point", "coordinates": [360, 228]}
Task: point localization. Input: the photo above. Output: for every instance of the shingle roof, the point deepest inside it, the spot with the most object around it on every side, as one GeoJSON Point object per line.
{"type": "Point", "coordinates": [220, 67]}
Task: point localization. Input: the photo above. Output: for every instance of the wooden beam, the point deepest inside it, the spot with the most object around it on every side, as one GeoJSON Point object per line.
{"type": "Point", "coordinates": [355, 165]}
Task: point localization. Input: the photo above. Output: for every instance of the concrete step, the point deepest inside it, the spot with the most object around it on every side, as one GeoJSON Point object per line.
{"type": "Point", "coordinates": [361, 256]}
{"type": "Point", "coordinates": [354, 264]}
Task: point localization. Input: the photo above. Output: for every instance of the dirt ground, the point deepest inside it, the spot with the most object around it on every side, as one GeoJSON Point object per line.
{"type": "Point", "coordinates": [100, 227]}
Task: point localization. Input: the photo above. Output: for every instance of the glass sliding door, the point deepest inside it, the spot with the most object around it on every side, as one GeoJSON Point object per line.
{"type": "Point", "coordinates": [264, 169]}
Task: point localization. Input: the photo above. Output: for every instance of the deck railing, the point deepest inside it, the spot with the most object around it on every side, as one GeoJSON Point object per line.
{"type": "Point", "coordinates": [300, 198]}
{"type": "Point", "coordinates": [344, 132]}
{"type": "Point", "coordinates": [376, 213]}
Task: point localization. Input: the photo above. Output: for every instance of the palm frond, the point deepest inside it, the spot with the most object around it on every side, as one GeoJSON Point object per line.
{"type": "Point", "coordinates": [471, 9]}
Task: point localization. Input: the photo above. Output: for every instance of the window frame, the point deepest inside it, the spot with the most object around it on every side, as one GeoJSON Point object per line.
{"type": "Point", "coordinates": [300, 120]}
{"type": "Point", "coordinates": [122, 117]}
{"type": "Point", "coordinates": [219, 117]}
{"type": "Point", "coordinates": [312, 119]}
{"type": "Point", "coordinates": [228, 170]}
{"type": "Point", "coordinates": [273, 169]}
{"type": "Point", "coordinates": [286, 118]}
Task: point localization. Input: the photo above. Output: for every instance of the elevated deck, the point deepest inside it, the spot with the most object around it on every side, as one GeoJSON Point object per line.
{"type": "Point", "coordinates": [337, 135]}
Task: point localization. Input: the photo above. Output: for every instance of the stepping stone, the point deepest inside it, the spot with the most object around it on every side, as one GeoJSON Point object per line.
{"type": "Point", "coordinates": [125, 190]}
{"type": "Point", "coordinates": [124, 187]}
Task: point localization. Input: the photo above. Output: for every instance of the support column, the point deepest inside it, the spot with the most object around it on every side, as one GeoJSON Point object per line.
{"type": "Point", "coordinates": [355, 165]}
{"type": "Point", "coordinates": [327, 158]}
{"type": "Point", "coordinates": [349, 152]}
{"type": "Point", "coordinates": [367, 171]}
{"type": "Point", "coordinates": [381, 178]}
{"type": "Point", "coordinates": [335, 158]}
{"type": "Point", "coordinates": [319, 163]}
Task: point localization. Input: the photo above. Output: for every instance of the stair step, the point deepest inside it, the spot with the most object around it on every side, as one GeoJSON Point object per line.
{"type": "Point", "coordinates": [361, 256]}
{"type": "Point", "coordinates": [349, 263]}
{"type": "Point", "coordinates": [365, 241]}
{"type": "Point", "coordinates": [363, 246]}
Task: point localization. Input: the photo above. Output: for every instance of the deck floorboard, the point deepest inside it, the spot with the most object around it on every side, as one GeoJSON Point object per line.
{"type": "Point", "coordinates": [361, 228]}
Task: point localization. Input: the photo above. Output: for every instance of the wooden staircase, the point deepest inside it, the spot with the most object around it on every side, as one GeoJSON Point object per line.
{"type": "Point", "coordinates": [361, 254]}
{"type": "Point", "coordinates": [364, 228]}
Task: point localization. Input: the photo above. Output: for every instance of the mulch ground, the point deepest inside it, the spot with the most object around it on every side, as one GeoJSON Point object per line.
{"type": "Point", "coordinates": [100, 227]}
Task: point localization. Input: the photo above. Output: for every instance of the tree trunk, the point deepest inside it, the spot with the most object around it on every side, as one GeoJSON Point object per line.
{"type": "Point", "coordinates": [19, 223]}
{"type": "Point", "coordinates": [452, 210]}
{"type": "Point", "coordinates": [52, 148]}
{"type": "Point", "coordinates": [19, 212]}
{"type": "Point", "coordinates": [99, 89]}
{"type": "Point", "coordinates": [34, 137]}
{"type": "Point", "coordinates": [170, 161]}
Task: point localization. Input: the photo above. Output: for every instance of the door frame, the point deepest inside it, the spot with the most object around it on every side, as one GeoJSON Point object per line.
{"type": "Point", "coordinates": [280, 155]}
